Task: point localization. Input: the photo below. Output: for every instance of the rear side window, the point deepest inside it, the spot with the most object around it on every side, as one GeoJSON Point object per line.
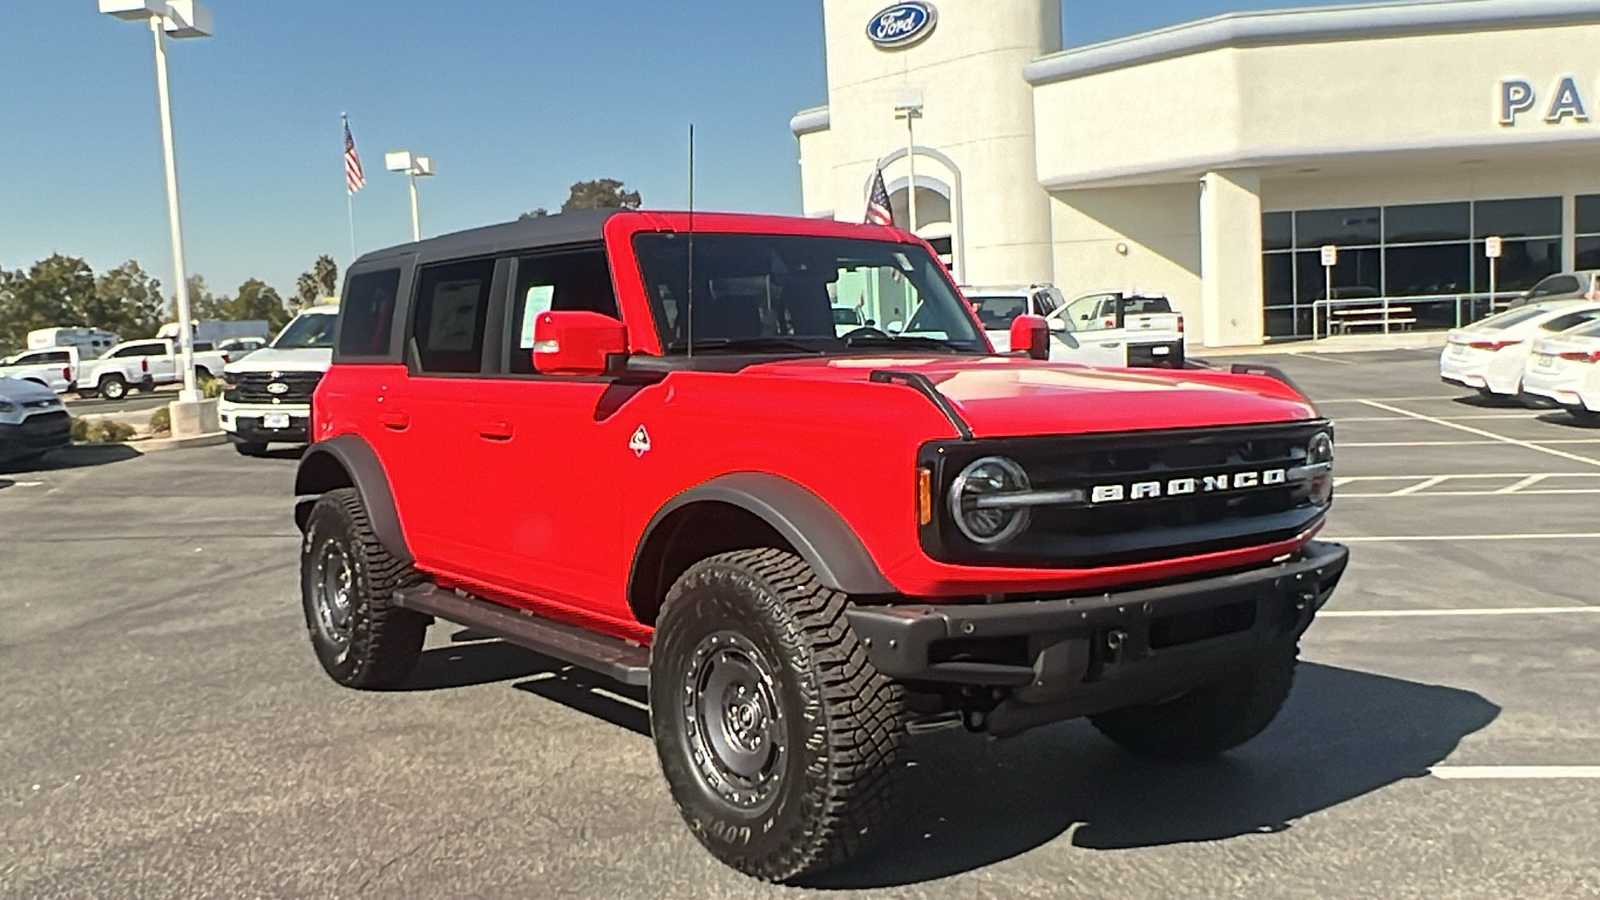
{"type": "Point", "coordinates": [1140, 306]}
{"type": "Point", "coordinates": [1553, 286]}
{"type": "Point", "coordinates": [577, 280]}
{"type": "Point", "coordinates": [368, 311]}
{"type": "Point", "coordinates": [452, 307]}
{"type": "Point", "coordinates": [1571, 320]}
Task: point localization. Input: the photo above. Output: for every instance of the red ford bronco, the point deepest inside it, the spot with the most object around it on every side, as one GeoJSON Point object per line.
{"type": "Point", "coordinates": [643, 444]}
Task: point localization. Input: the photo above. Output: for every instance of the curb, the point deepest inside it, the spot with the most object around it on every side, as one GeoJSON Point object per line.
{"type": "Point", "coordinates": [1433, 340]}
{"type": "Point", "coordinates": [200, 440]}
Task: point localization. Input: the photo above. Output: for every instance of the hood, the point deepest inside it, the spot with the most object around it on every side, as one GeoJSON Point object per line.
{"type": "Point", "coordinates": [309, 359]}
{"type": "Point", "coordinates": [1009, 397]}
{"type": "Point", "coordinates": [18, 391]}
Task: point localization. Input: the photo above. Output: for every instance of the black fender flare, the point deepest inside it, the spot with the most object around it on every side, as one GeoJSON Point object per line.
{"type": "Point", "coordinates": [349, 461]}
{"type": "Point", "coordinates": [813, 528]}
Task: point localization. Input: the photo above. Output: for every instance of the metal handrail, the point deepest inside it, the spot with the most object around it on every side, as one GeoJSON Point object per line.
{"type": "Point", "coordinates": [1325, 307]}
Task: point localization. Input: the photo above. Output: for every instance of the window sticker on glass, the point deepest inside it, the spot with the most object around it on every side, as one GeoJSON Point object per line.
{"type": "Point", "coordinates": [455, 315]}
{"type": "Point", "coordinates": [536, 301]}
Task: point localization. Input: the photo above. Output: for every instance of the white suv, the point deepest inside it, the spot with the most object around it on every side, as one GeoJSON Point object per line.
{"type": "Point", "coordinates": [267, 394]}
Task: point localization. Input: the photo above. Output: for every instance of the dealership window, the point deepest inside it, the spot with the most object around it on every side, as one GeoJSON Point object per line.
{"type": "Point", "coordinates": [1410, 252]}
{"type": "Point", "coordinates": [1588, 243]}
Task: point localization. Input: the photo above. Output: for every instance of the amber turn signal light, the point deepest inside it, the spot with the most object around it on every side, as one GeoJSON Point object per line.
{"type": "Point", "coordinates": [924, 496]}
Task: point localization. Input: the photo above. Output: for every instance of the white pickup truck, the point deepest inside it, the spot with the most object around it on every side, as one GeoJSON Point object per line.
{"type": "Point", "coordinates": [145, 365]}
{"type": "Point", "coordinates": [55, 368]}
{"type": "Point", "coordinates": [1104, 328]}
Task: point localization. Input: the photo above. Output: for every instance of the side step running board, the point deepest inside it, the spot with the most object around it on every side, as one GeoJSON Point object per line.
{"type": "Point", "coordinates": [609, 656]}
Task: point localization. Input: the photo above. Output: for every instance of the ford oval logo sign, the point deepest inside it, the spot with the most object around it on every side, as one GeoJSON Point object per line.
{"type": "Point", "coordinates": [277, 387]}
{"type": "Point", "coordinates": [902, 24]}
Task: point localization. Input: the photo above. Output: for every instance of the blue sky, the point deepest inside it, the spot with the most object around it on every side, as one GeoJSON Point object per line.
{"type": "Point", "coordinates": [514, 99]}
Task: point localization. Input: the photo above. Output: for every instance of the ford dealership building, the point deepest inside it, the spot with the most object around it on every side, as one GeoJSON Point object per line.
{"type": "Point", "coordinates": [1212, 161]}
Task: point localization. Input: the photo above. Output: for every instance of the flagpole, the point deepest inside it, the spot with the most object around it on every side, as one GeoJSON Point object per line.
{"type": "Point", "coordinates": [349, 195]}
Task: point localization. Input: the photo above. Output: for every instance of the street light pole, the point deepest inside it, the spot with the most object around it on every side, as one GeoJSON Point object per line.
{"type": "Point", "coordinates": [911, 112]}
{"type": "Point", "coordinates": [191, 387]}
{"type": "Point", "coordinates": [412, 166]}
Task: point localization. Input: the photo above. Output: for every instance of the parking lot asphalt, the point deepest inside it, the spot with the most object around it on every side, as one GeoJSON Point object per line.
{"type": "Point", "coordinates": [166, 732]}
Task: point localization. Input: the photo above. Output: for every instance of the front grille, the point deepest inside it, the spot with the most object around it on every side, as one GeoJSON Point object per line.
{"type": "Point", "coordinates": [1126, 531]}
{"type": "Point", "coordinates": [257, 387]}
{"type": "Point", "coordinates": [46, 429]}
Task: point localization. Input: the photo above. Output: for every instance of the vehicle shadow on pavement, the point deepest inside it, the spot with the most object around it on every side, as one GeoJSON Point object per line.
{"type": "Point", "coordinates": [78, 456]}
{"type": "Point", "coordinates": [1568, 420]}
{"type": "Point", "coordinates": [973, 801]}
{"type": "Point", "coordinates": [473, 660]}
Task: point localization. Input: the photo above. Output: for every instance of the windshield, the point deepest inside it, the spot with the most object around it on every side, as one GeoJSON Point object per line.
{"type": "Point", "coordinates": [310, 330]}
{"type": "Point", "coordinates": [779, 293]}
{"type": "Point", "coordinates": [997, 313]}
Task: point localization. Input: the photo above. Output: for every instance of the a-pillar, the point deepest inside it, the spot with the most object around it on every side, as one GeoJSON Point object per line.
{"type": "Point", "coordinates": [1230, 259]}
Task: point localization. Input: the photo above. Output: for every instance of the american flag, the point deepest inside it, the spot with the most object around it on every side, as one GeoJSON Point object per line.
{"type": "Point", "coordinates": [354, 178]}
{"type": "Point", "coordinates": [879, 212]}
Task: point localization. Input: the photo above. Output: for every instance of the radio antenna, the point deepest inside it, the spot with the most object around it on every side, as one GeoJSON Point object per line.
{"type": "Point", "coordinates": [690, 328]}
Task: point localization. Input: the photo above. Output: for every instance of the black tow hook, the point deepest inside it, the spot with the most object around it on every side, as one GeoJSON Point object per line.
{"type": "Point", "coordinates": [1116, 640]}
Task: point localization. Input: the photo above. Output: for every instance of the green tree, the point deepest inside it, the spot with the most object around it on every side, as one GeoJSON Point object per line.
{"type": "Point", "coordinates": [539, 213]}
{"type": "Point", "coordinates": [603, 193]}
{"type": "Point", "coordinates": [127, 301]}
{"type": "Point", "coordinates": [203, 304]}
{"type": "Point", "coordinates": [321, 281]}
{"type": "Point", "coordinates": [51, 293]}
{"type": "Point", "coordinates": [257, 300]}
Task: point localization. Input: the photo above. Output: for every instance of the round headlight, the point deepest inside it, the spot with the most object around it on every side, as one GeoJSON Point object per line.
{"type": "Point", "coordinates": [988, 525]}
{"type": "Point", "coordinates": [1320, 453]}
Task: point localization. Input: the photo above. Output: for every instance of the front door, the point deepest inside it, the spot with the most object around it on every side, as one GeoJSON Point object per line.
{"type": "Point", "coordinates": [1095, 323]}
{"type": "Point", "coordinates": [547, 454]}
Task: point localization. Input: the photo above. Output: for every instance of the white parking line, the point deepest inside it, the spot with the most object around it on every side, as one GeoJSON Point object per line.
{"type": "Point", "coordinates": [1341, 420]}
{"type": "Point", "coordinates": [1375, 444]}
{"type": "Point", "coordinates": [1389, 399]}
{"type": "Point", "coordinates": [1421, 486]}
{"type": "Point", "coordinates": [1488, 434]}
{"type": "Point", "coordinates": [1432, 613]}
{"type": "Point", "coordinates": [1407, 538]}
{"type": "Point", "coordinates": [1474, 773]}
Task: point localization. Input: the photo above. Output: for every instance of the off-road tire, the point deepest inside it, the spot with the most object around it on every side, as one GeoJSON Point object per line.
{"type": "Point", "coordinates": [1208, 720]}
{"type": "Point", "coordinates": [251, 448]}
{"type": "Point", "coordinates": [843, 723]}
{"type": "Point", "coordinates": [113, 388]}
{"type": "Point", "coordinates": [384, 640]}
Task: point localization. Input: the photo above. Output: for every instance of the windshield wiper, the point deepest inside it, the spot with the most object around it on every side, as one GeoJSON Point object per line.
{"type": "Point", "coordinates": [872, 340]}
{"type": "Point", "coordinates": [751, 343]}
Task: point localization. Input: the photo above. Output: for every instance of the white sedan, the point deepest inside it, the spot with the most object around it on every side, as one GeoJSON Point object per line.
{"type": "Point", "coordinates": [1565, 369]}
{"type": "Point", "coordinates": [1489, 356]}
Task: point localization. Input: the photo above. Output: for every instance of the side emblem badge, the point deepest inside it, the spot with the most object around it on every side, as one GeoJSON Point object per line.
{"type": "Point", "coordinates": [640, 442]}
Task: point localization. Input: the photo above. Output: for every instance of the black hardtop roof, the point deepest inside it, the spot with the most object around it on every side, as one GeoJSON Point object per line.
{"type": "Point", "coordinates": [581, 227]}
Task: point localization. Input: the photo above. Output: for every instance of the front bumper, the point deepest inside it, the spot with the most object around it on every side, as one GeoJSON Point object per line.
{"type": "Point", "coordinates": [246, 423]}
{"type": "Point", "coordinates": [1062, 658]}
{"type": "Point", "coordinates": [36, 434]}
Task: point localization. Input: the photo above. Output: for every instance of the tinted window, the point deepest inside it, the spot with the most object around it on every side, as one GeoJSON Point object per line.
{"type": "Point", "coordinates": [1277, 274]}
{"type": "Point", "coordinates": [1533, 217]}
{"type": "Point", "coordinates": [1558, 284]}
{"type": "Point", "coordinates": [578, 280]}
{"type": "Point", "coordinates": [1314, 228]}
{"type": "Point", "coordinates": [203, 346]}
{"type": "Point", "coordinates": [141, 350]}
{"type": "Point", "coordinates": [307, 330]}
{"type": "Point", "coordinates": [1430, 270]}
{"type": "Point", "coordinates": [1277, 231]}
{"type": "Point", "coordinates": [1139, 306]}
{"type": "Point", "coordinates": [368, 312]}
{"type": "Point", "coordinates": [1589, 214]}
{"type": "Point", "coordinates": [452, 307]}
{"type": "Point", "coordinates": [997, 313]}
{"type": "Point", "coordinates": [1509, 318]}
{"type": "Point", "coordinates": [1571, 320]}
{"type": "Point", "coordinates": [1426, 222]}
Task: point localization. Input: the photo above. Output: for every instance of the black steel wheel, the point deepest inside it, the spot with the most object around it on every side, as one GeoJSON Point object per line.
{"type": "Point", "coordinates": [777, 736]}
{"type": "Point", "coordinates": [347, 585]}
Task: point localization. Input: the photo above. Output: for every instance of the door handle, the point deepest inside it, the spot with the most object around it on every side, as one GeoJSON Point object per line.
{"type": "Point", "coordinates": [395, 421]}
{"type": "Point", "coordinates": [494, 431]}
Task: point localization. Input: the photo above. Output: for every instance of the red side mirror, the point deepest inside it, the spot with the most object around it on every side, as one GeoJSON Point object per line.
{"type": "Point", "coordinates": [576, 343]}
{"type": "Point", "coordinates": [1031, 335]}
